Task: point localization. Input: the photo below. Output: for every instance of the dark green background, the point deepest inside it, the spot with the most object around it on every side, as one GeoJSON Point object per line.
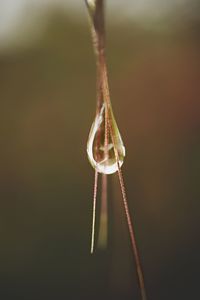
{"type": "Point", "coordinates": [47, 105]}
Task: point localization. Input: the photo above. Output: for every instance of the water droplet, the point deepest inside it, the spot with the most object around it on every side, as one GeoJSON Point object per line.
{"type": "Point", "coordinates": [101, 154]}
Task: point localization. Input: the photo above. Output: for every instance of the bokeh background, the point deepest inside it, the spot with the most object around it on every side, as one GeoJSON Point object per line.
{"type": "Point", "coordinates": [47, 105]}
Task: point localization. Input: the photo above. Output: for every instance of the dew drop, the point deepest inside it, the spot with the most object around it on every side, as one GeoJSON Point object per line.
{"type": "Point", "coordinates": [101, 154]}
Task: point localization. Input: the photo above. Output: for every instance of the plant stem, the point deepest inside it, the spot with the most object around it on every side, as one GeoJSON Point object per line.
{"type": "Point", "coordinates": [103, 94]}
{"type": "Point", "coordinates": [98, 37]}
{"type": "Point", "coordinates": [94, 211]}
{"type": "Point", "coordinates": [106, 94]}
{"type": "Point", "coordinates": [132, 236]}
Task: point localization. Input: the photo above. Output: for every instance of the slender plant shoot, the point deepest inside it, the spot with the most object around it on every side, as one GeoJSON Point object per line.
{"type": "Point", "coordinates": [105, 147]}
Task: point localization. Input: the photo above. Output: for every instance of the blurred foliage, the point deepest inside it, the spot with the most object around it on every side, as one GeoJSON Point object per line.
{"type": "Point", "coordinates": [47, 105]}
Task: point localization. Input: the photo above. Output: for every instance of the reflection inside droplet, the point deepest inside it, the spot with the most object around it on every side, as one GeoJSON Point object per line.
{"type": "Point", "coordinates": [101, 154]}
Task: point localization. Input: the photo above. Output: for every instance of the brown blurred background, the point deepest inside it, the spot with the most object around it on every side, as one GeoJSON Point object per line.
{"type": "Point", "coordinates": [47, 105]}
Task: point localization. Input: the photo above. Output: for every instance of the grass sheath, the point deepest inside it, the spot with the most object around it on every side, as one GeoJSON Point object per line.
{"type": "Point", "coordinates": [96, 13]}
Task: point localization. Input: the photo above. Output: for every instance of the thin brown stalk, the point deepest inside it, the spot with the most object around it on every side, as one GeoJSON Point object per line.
{"type": "Point", "coordinates": [98, 37]}
{"type": "Point", "coordinates": [97, 20]}
{"type": "Point", "coordinates": [123, 190]}
{"type": "Point", "coordinates": [132, 236]}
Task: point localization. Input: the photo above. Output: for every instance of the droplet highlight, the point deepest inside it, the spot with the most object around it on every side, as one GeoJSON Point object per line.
{"type": "Point", "coordinates": [100, 148]}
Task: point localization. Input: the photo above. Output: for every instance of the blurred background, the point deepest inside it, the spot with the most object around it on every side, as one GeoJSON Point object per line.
{"type": "Point", "coordinates": [47, 105]}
